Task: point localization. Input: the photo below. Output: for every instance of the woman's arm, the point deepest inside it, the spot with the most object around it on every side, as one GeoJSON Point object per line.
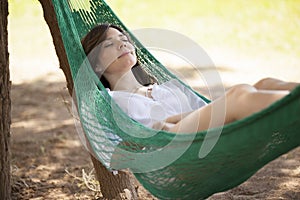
{"type": "Point", "coordinates": [169, 122]}
{"type": "Point", "coordinates": [176, 118]}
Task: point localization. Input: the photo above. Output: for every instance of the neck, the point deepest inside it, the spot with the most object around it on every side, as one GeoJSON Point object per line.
{"type": "Point", "coordinates": [125, 82]}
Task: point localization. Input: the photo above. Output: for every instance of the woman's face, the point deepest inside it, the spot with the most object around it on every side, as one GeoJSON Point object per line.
{"type": "Point", "coordinates": [117, 54]}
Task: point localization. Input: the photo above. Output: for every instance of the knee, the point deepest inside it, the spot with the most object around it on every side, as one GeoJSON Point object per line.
{"type": "Point", "coordinates": [261, 84]}
{"type": "Point", "coordinates": [239, 96]}
{"type": "Point", "coordinates": [240, 90]}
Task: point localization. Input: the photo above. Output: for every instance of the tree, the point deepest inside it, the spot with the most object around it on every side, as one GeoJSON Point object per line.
{"type": "Point", "coordinates": [112, 186]}
{"type": "Point", "coordinates": [5, 106]}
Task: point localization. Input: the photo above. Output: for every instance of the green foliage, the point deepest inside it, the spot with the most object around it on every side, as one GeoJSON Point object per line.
{"type": "Point", "coordinates": [20, 9]}
{"type": "Point", "coordinates": [29, 35]}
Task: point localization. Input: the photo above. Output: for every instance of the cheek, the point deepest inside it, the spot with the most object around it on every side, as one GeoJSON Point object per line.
{"type": "Point", "coordinates": [105, 59]}
{"type": "Point", "coordinates": [135, 57]}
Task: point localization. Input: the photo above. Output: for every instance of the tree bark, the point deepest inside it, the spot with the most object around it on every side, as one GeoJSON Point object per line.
{"type": "Point", "coordinates": [5, 106]}
{"type": "Point", "coordinates": [112, 186]}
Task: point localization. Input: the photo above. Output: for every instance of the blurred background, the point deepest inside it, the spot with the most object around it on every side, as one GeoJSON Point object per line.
{"type": "Point", "coordinates": [247, 40]}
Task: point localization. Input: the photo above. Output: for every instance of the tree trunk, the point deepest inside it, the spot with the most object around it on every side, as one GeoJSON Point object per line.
{"type": "Point", "coordinates": [5, 106]}
{"type": "Point", "coordinates": [112, 186]}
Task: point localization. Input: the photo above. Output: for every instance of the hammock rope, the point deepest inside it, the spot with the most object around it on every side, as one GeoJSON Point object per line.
{"type": "Point", "coordinates": [167, 164]}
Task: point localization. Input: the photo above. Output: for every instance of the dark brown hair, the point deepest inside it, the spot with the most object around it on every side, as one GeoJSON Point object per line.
{"type": "Point", "coordinates": [90, 43]}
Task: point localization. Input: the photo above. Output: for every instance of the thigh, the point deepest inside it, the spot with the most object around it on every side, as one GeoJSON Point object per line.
{"type": "Point", "coordinates": [223, 110]}
{"type": "Point", "coordinates": [208, 116]}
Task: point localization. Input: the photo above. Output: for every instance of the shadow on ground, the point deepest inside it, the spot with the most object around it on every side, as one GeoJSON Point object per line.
{"type": "Point", "coordinates": [45, 145]}
{"type": "Point", "coordinates": [48, 159]}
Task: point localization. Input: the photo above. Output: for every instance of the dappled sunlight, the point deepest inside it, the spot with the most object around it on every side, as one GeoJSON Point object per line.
{"type": "Point", "coordinates": [296, 172]}
{"type": "Point", "coordinates": [45, 142]}
{"type": "Point", "coordinates": [292, 169]}
{"type": "Point", "coordinates": [292, 184]}
{"type": "Point", "coordinates": [39, 125]}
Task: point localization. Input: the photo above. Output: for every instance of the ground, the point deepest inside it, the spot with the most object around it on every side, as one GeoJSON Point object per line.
{"type": "Point", "coordinates": [49, 162]}
{"type": "Point", "coordinates": [247, 40]}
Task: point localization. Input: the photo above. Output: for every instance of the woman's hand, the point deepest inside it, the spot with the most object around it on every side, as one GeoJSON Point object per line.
{"type": "Point", "coordinates": [163, 125]}
{"type": "Point", "coordinates": [176, 118]}
{"type": "Point", "coordinates": [169, 122]}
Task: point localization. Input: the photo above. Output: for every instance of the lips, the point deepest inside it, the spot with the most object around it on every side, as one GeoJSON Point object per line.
{"type": "Point", "coordinates": [124, 54]}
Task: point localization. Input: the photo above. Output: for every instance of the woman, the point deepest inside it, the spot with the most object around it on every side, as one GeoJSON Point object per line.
{"type": "Point", "coordinates": [168, 106]}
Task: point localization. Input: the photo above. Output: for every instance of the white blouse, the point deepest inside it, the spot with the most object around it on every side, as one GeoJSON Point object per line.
{"type": "Point", "coordinates": [168, 99]}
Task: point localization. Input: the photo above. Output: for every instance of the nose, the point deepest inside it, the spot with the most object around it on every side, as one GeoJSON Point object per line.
{"type": "Point", "coordinates": [122, 44]}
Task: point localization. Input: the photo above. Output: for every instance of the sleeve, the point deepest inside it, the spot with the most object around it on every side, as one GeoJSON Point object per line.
{"type": "Point", "coordinates": [194, 100]}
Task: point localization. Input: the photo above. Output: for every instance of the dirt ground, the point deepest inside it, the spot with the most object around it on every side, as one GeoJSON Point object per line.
{"type": "Point", "coordinates": [47, 158]}
{"type": "Point", "coordinates": [49, 162]}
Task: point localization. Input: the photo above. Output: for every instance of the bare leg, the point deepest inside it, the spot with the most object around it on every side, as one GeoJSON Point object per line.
{"type": "Point", "coordinates": [240, 101]}
{"type": "Point", "coordinates": [275, 84]}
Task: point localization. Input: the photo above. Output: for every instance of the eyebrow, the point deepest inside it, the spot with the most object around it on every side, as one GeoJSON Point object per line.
{"type": "Point", "coordinates": [120, 35]}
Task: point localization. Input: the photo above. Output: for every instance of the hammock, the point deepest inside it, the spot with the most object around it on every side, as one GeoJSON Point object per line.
{"type": "Point", "coordinates": [168, 164]}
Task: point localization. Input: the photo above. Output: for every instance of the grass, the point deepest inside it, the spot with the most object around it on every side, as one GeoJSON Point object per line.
{"type": "Point", "coordinates": [232, 23]}
{"type": "Point", "coordinates": [32, 53]}
{"type": "Point", "coordinates": [247, 25]}
{"type": "Point", "coordinates": [28, 32]}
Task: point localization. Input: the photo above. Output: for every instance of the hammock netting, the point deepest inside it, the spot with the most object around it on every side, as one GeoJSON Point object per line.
{"type": "Point", "coordinates": [168, 164]}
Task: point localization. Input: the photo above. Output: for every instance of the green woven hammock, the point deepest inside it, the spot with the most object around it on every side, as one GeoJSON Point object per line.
{"type": "Point", "coordinates": [242, 149]}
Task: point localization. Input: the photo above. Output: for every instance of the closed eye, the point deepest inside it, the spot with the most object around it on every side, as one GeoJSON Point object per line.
{"type": "Point", "coordinates": [108, 44]}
